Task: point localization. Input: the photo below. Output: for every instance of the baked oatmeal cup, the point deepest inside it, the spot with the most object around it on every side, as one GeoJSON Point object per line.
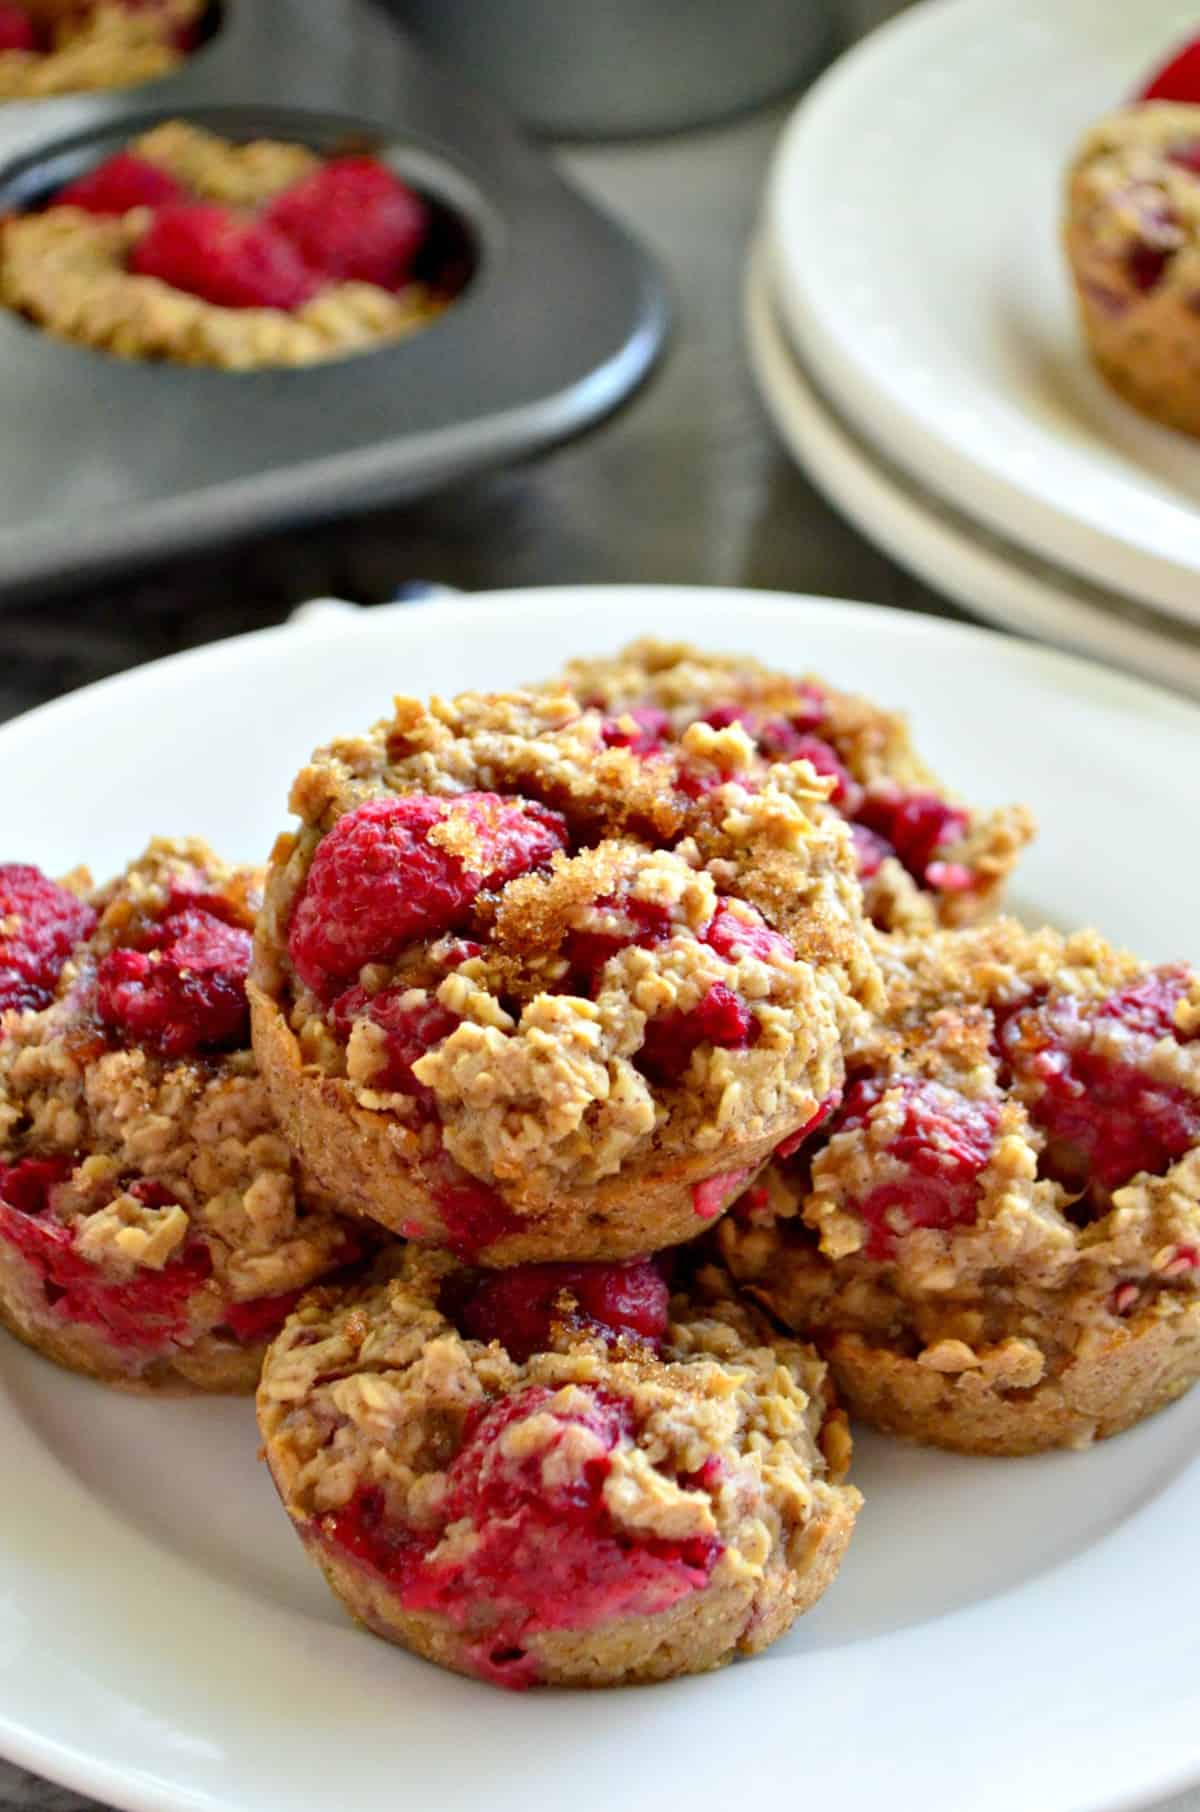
{"type": "Point", "coordinates": [154, 1232]}
{"type": "Point", "coordinates": [188, 247]}
{"type": "Point", "coordinates": [556, 1474]}
{"type": "Point", "coordinates": [923, 859]}
{"type": "Point", "coordinates": [52, 47]}
{"type": "Point", "coordinates": [1132, 240]}
{"type": "Point", "coordinates": [995, 1240]}
{"type": "Point", "coordinates": [533, 997]}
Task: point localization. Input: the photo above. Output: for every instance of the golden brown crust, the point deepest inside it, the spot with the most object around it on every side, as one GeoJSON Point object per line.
{"type": "Point", "coordinates": [729, 1437]}
{"type": "Point", "coordinates": [210, 1365]}
{"type": "Point", "coordinates": [1138, 1369]}
{"type": "Point", "coordinates": [66, 270]}
{"type": "Point", "coordinates": [1132, 240]}
{"type": "Point", "coordinates": [692, 1637]}
{"type": "Point", "coordinates": [365, 1152]}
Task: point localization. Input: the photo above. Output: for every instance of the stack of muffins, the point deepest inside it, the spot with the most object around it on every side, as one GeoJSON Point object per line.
{"type": "Point", "coordinates": [628, 1071]}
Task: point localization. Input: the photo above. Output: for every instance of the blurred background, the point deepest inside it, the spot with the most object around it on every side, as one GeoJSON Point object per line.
{"type": "Point", "coordinates": [687, 483]}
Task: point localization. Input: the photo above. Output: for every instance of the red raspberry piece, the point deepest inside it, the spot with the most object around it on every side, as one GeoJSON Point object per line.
{"type": "Point", "coordinates": [149, 1312]}
{"type": "Point", "coordinates": [588, 951]}
{"type": "Point", "coordinates": [788, 1147]}
{"type": "Point", "coordinates": [1105, 1118]}
{"type": "Point", "coordinates": [1146, 263]}
{"type": "Point", "coordinates": [870, 850]}
{"type": "Point", "coordinates": [40, 924]}
{"type": "Point", "coordinates": [520, 1308]}
{"type": "Point", "coordinates": [719, 1018]}
{"type": "Point", "coordinates": [945, 1140]}
{"type": "Point", "coordinates": [1186, 155]}
{"type": "Point", "coordinates": [377, 882]}
{"type": "Point", "coordinates": [473, 1213]}
{"type": "Point", "coordinates": [410, 1029]}
{"type": "Point", "coordinates": [783, 742]}
{"type": "Point", "coordinates": [262, 1318]}
{"type": "Point", "coordinates": [184, 990]}
{"type": "Point", "coordinates": [746, 933]}
{"type": "Point", "coordinates": [17, 30]}
{"type": "Point", "coordinates": [917, 825]}
{"type": "Point", "coordinates": [711, 1195]}
{"type": "Point", "coordinates": [232, 262]}
{"type": "Point", "coordinates": [651, 730]}
{"type": "Point", "coordinates": [353, 219]}
{"type": "Point", "coordinates": [545, 1553]}
{"type": "Point", "coordinates": [118, 184]}
{"type": "Point", "coordinates": [1178, 79]}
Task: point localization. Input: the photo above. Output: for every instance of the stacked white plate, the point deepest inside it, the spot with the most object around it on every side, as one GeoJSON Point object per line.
{"type": "Point", "coordinates": [912, 331]}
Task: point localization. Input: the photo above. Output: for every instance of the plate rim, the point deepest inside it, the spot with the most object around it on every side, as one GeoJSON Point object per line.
{"type": "Point", "coordinates": [925, 533]}
{"type": "Point", "coordinates": [1078, 534]}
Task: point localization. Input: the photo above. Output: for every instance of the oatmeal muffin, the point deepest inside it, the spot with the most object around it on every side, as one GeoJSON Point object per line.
{"type": "Point", "coordinates": [534, 997]}
{"type": "Point", "coordinates": [996, 1239]}
{"type": "Point", "coordinates": [153, 1230]}
{"type": "Point", "coordinates": [1132, 238]}
{"type": "Point", "coordinates": [50, 47]}
{"type": "Point", "coordinates": [555, 1475]}
{"type": "Point", "coordinates": [190, 248]}
{"type": "Point", "coordinates": [922, 859]}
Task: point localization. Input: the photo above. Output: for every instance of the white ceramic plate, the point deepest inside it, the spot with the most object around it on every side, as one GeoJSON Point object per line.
{"type": "Point", "coordinates": [914, 210]}
{"type": "Point", "coordinates": [1004, 1635]}
{"type": "Point", "coordinates": [966, 562]}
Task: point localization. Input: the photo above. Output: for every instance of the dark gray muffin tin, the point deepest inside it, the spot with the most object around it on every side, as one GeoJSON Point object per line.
{"type": "Point", "coordinates": [108, 462]}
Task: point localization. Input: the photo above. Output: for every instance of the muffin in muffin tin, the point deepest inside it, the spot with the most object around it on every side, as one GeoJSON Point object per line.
{"type": "Point", "coordinates": [556, 1475]}
{"type": "Point", "coordinates": [996, 1238]}
{"type": "Point", "coordinates": [188, 247]}
{"type": "Point", "coordinates": [530, 995]}
{"type": "Point", "coordinates": [154, 1229]}
{"type": "Point", "coordinates": [55, 47]}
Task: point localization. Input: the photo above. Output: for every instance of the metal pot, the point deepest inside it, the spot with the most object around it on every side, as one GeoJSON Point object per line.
{"type": "Point", "coordinates": [609, 68]}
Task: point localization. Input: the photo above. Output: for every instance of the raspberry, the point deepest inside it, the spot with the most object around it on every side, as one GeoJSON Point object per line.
{"type": "Point", "coordinates": [40, 924]}
{"type": "Point", "coordinates": [1178, 79]}
{"type": "Point", "coordinates": [520, 1308]}
{"type": "Point", "coordinates": [917, 825]}
{"type": "Point", "coordinates": [410, 1028]}
{"type": "Point", "coordinates": [588, 951]}
{"type": "Point", "coordinates": [544, 1553]}
{"type": "Point", "coordinates": [473, 1214]}
{"type": "Point", "coordinates": [870, 851]}
{"type": "Point", "coordinates": [378, 881]}
{"type": "Point", "coordinates": [783, 742]}
{"type": "Point", "coordinates": [746, 933]}
{"type": "Point", "coordinates": [184, 990]}
{"type": "Point", "coordinates": [118, 184]}
{"type": "Point", "coordinates": [1106, 1120]}
{"type": "Point", "coordinates": [718, 1018]}
{"type": "Point", "coordinates": [353, 219]}
{"type": "Point", "coordinates": [788, 1147]}
{"type": "Point", "coordinates": [1145, 264]}
{"type": "Point", "coordinates": [211, 252]}
{"type": "Point", "coordinates": [644, 730]}
{"type": "Point", "coordinates": [944, 1141]}
{"type": "Point", "coordinates": [149, 1312]}
{"type": "Point", "coordinates": [711, 1195]}
{"type": "Point", "coordinates": [262, 1318]}
{"type": "Point", "coordinates": [17, 30]}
